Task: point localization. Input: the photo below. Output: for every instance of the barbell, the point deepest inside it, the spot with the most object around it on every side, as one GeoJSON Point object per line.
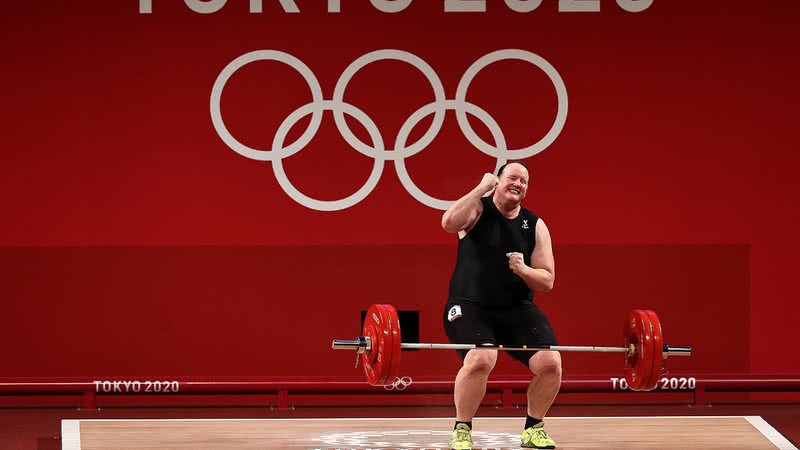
{"type": "Point", "coordinates": [379, 347]}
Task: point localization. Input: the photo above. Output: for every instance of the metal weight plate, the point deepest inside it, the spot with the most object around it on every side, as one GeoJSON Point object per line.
{"type": "Point", "coordinates": [658, 349]}
{"type": "Point", "coordinates": [639, 364]}
{"type": "Point", "coordinates": [381, 363]}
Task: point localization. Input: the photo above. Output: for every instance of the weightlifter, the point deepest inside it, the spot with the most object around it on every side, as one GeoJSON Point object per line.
{"type": "Point", "coordinates": [504, 256]}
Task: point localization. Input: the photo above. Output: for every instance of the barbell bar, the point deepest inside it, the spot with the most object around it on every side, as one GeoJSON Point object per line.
{"type": "Point", "coordinates": [379, 347]}
{"type": "Point", "coordinates": [361, 346]}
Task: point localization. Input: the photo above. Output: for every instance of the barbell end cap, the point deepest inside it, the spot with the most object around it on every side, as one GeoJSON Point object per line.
{"type": "Point", "coordinates": [677, 350]}
{"type": "Point", "coordinates": [345, 344]}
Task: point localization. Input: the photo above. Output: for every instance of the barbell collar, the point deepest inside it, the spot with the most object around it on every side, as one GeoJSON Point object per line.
{"type": "Point", "coordinates": [362, 344]}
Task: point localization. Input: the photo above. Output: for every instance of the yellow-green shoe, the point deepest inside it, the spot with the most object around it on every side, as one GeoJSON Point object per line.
{"type": "Point", "coordinates": [536, 437]}
{"type": "Point", "coordinates": [461, 438]}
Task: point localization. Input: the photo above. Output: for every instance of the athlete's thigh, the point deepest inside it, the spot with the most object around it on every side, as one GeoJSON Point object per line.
{"type": "Point", "coordinates": [466, 323]}
{"type": "Point", "coordinates": [525, 324]}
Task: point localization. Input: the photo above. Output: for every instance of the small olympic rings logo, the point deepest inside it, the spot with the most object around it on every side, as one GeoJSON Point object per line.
{"type": "Point", "coordinates": [399, 384]}
{"type": "Point", "coordinates": [401, 148]}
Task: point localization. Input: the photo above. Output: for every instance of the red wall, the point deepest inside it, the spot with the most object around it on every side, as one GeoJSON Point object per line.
{"type": "Point", "coordinates": [273, 310]}
{"type": "Point", "coordinates": [135, 241]}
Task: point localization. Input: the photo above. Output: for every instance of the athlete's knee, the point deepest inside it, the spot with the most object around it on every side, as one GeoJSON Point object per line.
{"type": "Point", "coordinates": [546, 363]}
{"type": "Point", "coordinates": [480, 361]}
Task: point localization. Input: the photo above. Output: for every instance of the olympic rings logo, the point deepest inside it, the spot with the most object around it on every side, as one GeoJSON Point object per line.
{"type": "Point", "coordinates": [399, 384]}
{"type": "Point", "coordinates": [377, 150]}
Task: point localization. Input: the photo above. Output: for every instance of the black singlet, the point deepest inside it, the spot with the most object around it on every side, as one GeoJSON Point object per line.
{"type": "Point", "coordinates": [482, 274]}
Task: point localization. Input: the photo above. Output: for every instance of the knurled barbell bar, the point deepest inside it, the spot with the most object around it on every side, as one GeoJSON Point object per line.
{"type": "Point", "coordinates": [379, 347]}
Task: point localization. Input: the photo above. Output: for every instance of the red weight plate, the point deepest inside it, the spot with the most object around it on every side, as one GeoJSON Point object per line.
{"type": "Point", "coordinates": [631, 358]}
{"type": "Point", "coordinates": [370, 361]}
{"type": "Point", "coordinates": [658, 349]}
{"type": "Point", "coordinates": [385, 336]}
{"type": "Point", "coordinates": [647, 355]}
{"type": "Point", "coordinates": [381, 363]}
{"type": "Point", "coordinates": [388, 346]}
{"type": "Point", "coordinates": [639, 364]}
{"type": "Point", "coordinates": [394, 341]}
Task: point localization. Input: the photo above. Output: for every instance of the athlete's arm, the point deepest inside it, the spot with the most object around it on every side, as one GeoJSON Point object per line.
{"type": "Point", "coordinates": [462, 215]}
{"type": "Point", "coordinates": [542, 273]}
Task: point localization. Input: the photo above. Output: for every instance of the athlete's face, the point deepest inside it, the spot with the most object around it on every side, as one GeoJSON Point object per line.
{"type": "Point", "coordinates": [513, 183]}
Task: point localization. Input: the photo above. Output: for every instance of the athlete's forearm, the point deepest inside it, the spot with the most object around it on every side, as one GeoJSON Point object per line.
{"type": "Point", "coordinates": [539, 280]}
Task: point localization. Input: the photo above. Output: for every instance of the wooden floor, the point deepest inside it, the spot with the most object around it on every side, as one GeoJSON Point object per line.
{"type": "Point", "coordinates": [699, 432]}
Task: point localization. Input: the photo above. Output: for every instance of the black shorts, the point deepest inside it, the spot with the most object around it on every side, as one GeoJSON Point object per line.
{"type": "Point", "coordinates": [518, 325]}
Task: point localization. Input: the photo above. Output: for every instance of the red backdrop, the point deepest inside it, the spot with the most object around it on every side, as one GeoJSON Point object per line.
{"type": "Point", "coordinates": [137, 242]}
